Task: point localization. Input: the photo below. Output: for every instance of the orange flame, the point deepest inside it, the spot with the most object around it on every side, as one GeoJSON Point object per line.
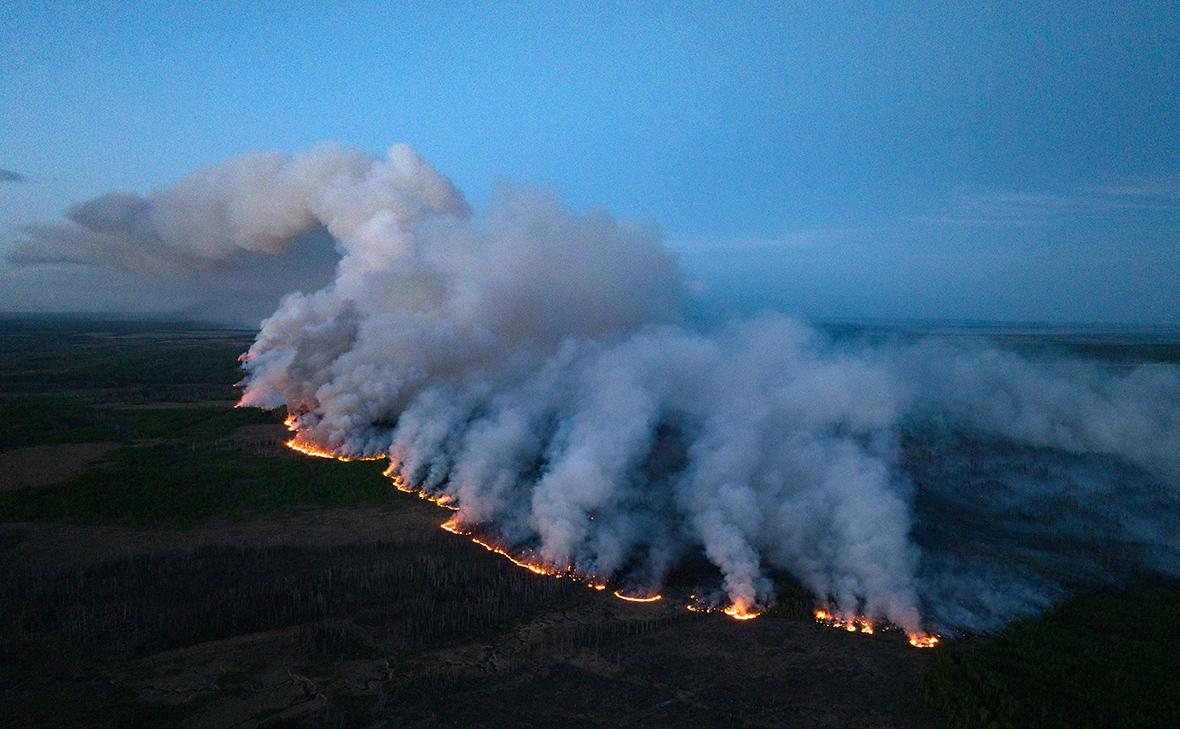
{"type": "Point", "coordinates": [733, 610]}
{"type": "Point", "coordinates": [738, 612]}
{"type": "Point", "coordinates": [446, 501]}
{"type": "Point", "coordinates": [310, 449]}
{"type": "Point", "coordinates": [537, 568]}
{"type": "Point", "coordinates": [637, 598]}
{"type": "Point", "coordinates": [452, 525]}
{"type": "Point", "coordinates": [862, 624]}
{"type": "Point", "coordinates": [852, 624]}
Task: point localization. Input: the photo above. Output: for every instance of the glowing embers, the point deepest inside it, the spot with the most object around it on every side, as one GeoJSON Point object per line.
{"type": "Point", "coordinates": [738, 612]}
{"type": "Point", "coordinates": [733, 610]}
{"type": "Point", "coordinates": [853, 624]}
{"type": "Point", "coordinates": [861, 624]}
{"type": "Point", "coordinates": [636, 598]}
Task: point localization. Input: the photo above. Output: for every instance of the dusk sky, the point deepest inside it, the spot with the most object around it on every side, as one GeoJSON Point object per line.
{"type": "Point", "coordinates": [997, 161]}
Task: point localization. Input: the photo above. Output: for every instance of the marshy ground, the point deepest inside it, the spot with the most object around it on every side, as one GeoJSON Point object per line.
{"type": "Point", "coordinates": [164, 561]}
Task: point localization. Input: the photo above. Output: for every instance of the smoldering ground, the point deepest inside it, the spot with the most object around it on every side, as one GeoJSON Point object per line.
{"type": "Point", "coordinates": [536, 365]}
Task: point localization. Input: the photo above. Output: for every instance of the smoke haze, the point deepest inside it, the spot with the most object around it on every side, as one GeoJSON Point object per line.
{"type": "Point", "coordinates": [537, 365]}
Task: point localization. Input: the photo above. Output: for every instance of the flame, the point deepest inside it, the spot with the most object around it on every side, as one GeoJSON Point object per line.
{"type": "Point", "coordinates": [446, 501]}
{"type": "Point", "coordinates": [452, 525]}
{"type": "Point", "coordinates": [310, 449]}
{"type": "Point", "coordinates": [862, 624]}
{"type": "Point", "coordinates": [537, 568]}
{"type": "Point", "coordinates": [733, 610]}
{"type": "Point", "coordinates": [738, 612]}
{"type": "Point", "coordinates": [636, 598]}
{"type": "Point", "coordinates": [852, 624]}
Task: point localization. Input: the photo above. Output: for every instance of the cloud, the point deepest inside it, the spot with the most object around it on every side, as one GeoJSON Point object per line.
{"type": "Point", "coordinates": [10, 176]}
{"type": "Point", "coordinates": [1023, 209]}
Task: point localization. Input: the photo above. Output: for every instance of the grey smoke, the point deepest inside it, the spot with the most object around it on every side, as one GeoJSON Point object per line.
{"type": "Point", "coordinates": [536, 364]}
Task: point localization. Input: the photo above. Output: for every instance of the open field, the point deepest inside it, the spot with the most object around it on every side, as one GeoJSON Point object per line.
{"type": "Point", "coordinates": [171, 564]}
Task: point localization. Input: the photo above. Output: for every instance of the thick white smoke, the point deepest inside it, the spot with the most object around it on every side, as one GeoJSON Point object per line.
{"type": "Point", "coordinates": [532, 364]}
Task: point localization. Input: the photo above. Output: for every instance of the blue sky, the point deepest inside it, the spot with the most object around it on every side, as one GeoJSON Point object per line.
{"type": "Point", "coordinates": [1012, 161]}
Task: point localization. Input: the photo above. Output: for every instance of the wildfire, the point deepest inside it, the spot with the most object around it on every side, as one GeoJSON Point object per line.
{"type": "Point", "coordinates": [536, 568]}
{"type": "Point", "coordinates": [853, 624]}
{"type": "Point", "coordinates": [733, 610]}
{"type": "Point", "coordinates": [446, 501]}
{"type": "Point", "coordinates": [636, 598]}
{"type": "Point", "coordinates": [452, 525]}
{"type": "Point", "coordinates": [310, 449]}
{"type": "Point", "coordinates": [740, 613]}
{"type": "Point", "coordinates": [861, 624]}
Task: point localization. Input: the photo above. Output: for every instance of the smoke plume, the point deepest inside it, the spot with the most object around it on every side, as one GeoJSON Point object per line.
{"type": "Point", "coordinates": [534, 365]}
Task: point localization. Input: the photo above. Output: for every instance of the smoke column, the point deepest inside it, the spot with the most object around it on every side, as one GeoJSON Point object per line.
{"type": "Point", "coordinates": [534, 365]}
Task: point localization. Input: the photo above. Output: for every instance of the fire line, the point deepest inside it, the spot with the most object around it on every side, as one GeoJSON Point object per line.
{"type": "Point", "coordinates": [852, 624]}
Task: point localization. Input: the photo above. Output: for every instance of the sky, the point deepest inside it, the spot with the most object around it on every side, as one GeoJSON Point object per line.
{"type": "Point", "coordinates": [984, 161]}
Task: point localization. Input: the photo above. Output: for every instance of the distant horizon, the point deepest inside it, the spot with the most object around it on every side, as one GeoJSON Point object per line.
{"type": "Point", "coordinates": [1000, 162]}
{"type": "Point", "coordinates": [922, 325]}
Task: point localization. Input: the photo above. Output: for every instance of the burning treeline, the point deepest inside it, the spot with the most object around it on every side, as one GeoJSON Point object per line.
{"type": "Point", "coordinates": [852, 624]}
{"type": "Point", "coordinates": [535, 367]}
